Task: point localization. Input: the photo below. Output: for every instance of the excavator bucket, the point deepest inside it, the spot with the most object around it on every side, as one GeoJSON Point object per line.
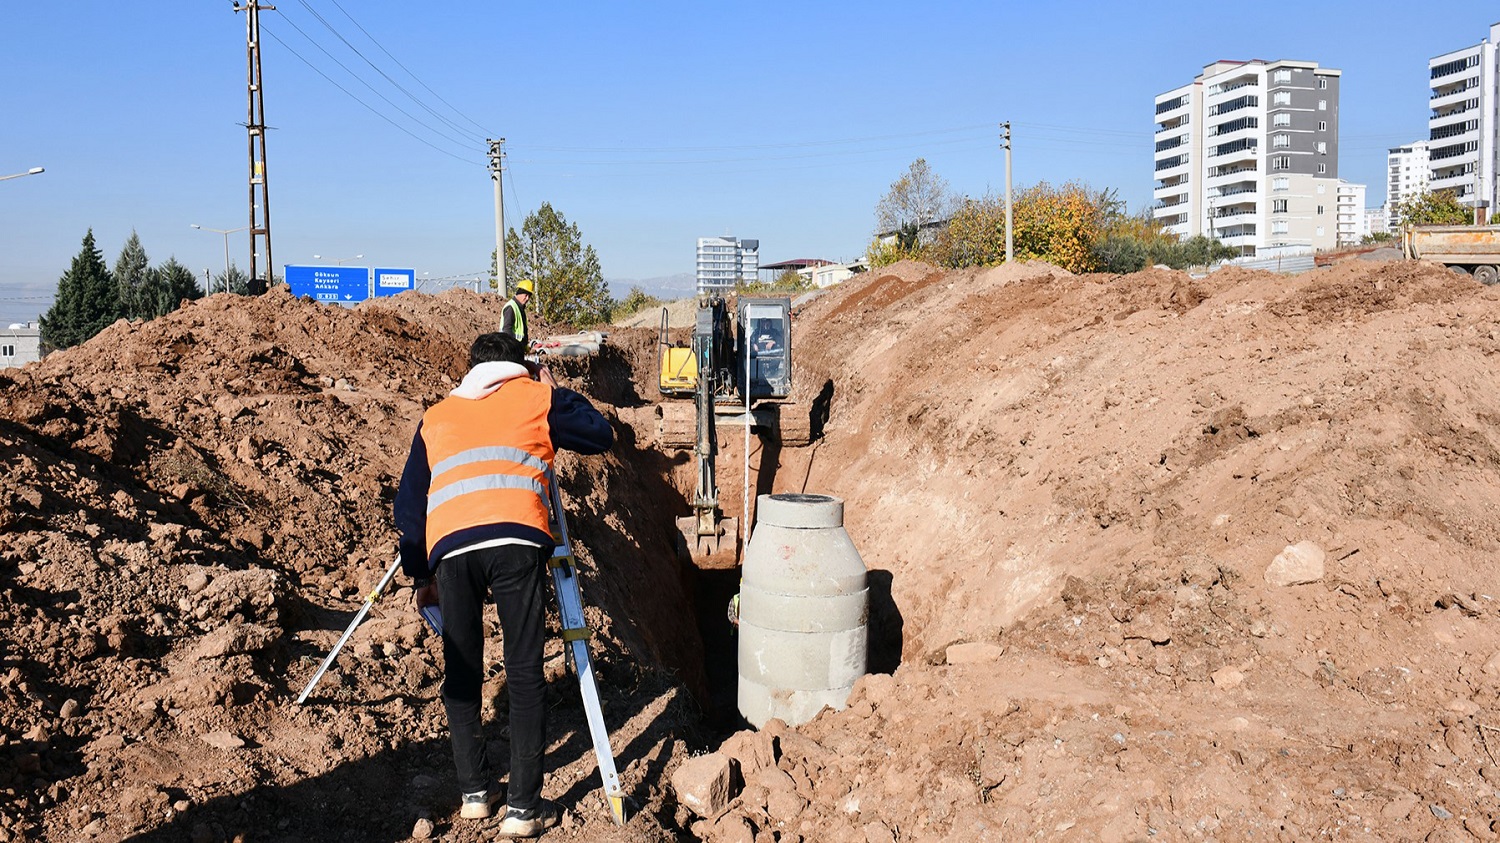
{"type": "Point", "coordinates": [718, 549]}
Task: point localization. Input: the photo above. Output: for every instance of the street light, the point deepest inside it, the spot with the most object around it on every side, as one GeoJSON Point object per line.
{"type": "Point", "coordinates": [31, 172]}
{"type": "Point", "coordinates": [226, 233]}
{"type": "Point", "coordinates": [339, 262]}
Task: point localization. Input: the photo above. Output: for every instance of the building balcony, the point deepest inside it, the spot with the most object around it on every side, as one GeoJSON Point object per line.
{"type": "Point", "coordinates": [1241, 235]}
{"type": "Point", "coordinates": [1172, 124]}
{"type": "Point", "coordinates": [1224, 175]}
{"type": "Point", "coordinates": [1224, 217]}
{"type": "Point", "coordinates": [1247, 101]}
{"type": "Point", "coordinates": [1173, 104]}
{"type": "Point", "coordinates": [1166, 164]}
{"type": "Point", "coordinates": [1239, 188]}
{"type": "Point", "coordinates": [1171, 143]}
{"type": "Point", "coordinates": [1445, 91]}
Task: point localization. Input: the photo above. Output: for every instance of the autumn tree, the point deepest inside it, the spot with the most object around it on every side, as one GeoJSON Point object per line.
{"type": "Point", "coordinates": [1434, 207]}
{"type": "Point", "coordinates": [919, 197]}
{"type": "Point", "coordinates": [550, 251]}
{"type": "Point", "coordinates": [87, 299]}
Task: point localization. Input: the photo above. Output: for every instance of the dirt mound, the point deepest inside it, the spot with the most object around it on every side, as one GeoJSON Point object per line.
{"type": "Point", "coordinates": [1152, 557]}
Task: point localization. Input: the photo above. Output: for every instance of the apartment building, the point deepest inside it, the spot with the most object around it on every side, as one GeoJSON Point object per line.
{"type": "Point", "coordinates": [1248, 154]}
{"type": "Point", "coordinates": [725, 261]}
{"type": "Point", "coordinates": [20, 344]}
{"type": "Point", "coordinates": [1407, 175]}
{"type": "Point", "coordinates": [1462, 127]}
{"type": "Point", "coordinates": [1350, 225]}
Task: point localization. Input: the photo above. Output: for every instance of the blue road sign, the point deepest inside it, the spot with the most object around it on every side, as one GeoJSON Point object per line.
{"type": "Point", "coordinates": [329, 283]}
{"type": "Point", "coordinates": [389, 282]}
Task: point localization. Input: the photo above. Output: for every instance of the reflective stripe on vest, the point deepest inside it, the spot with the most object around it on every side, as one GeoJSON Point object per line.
{"type": "Point", "coordinates": [489, 460]}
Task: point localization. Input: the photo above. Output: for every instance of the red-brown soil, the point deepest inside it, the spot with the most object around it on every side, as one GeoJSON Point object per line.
{"type": "Point", "coordinates": [1068, 490]}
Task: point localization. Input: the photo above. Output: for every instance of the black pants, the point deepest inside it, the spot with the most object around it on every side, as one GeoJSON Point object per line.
{"type": "Point", "coordinates": [514, 575]}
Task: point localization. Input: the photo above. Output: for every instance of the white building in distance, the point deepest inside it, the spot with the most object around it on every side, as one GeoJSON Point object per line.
{"type": "Point", "coordinates": [1349, 211]}
{"type": "Point", "coordinates": [1462, 128]}
{"type": "Point", "coordinates": [1377, 220]}
{"type": "Point", "coordinates": [1407, 175]}
{"type": "Point", "coordinates": [726, 261]}
{"type": "Point", "coordinates": [21, 343]}
{"type": "Point", "coordinates": [1247, 153]}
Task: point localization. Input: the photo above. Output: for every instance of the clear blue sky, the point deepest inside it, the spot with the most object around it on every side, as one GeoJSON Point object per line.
{"type": "Point", "coordinates": [648, 124]}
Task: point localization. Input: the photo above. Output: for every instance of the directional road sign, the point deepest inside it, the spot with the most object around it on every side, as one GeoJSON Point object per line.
{"type": "Point", "coordinates": [344, 284]}
{"type": "Point", "coordinates": [389, 282]}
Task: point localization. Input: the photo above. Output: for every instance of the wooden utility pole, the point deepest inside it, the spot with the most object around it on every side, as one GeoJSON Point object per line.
{"type": "Point", "coordinates": [260, 211]}
{"type": "Point", "coordinates": [497, 165]}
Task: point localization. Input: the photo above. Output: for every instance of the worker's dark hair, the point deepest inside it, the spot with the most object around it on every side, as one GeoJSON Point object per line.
{"type": "Point", "coordinates": [496, 347]}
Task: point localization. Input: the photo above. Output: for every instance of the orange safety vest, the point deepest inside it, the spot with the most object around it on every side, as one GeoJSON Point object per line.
{"type": "Point", "coordinates": [489, 459]}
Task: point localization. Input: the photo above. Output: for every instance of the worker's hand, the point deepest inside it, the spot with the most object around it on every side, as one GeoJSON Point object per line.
{"type": "Point", "coordinates": [544, 375]}
{"type": "Point", "coordinates": [427, 595]}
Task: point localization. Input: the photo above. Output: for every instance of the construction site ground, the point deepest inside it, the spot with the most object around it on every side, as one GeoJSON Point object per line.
{"type": "Point", "coordinates": [1151, 557]}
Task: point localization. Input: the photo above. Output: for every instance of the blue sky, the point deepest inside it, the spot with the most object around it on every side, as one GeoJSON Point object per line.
{"type": "Point", "coordinates": [648, 124]}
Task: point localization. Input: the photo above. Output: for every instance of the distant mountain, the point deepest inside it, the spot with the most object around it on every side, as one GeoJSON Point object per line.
{"type": "Point", "coordinates": [666, 287]}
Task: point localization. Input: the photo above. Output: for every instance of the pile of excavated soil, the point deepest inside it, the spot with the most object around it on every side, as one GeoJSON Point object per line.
{"type": "Point", "coordinates": [1152, 557]}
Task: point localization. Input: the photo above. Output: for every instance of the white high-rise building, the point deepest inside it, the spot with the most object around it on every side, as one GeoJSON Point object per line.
{"type": "Point", "coordinates": [1377, 220]}
{"type": "Point", "coordinates": [1350, 223]}
{"type": "Point", "coordinates": [1248, 154]}
{"type": "Point", "coordinates": [1407, 175]}
{"type": "Point", "coordinates": [1462, 129]}
{"type": "Point", "coordinates": [726, 261]}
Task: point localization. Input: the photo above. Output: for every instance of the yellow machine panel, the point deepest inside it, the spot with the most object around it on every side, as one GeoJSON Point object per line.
{"type": "Point", "coordinates": [679, 371]}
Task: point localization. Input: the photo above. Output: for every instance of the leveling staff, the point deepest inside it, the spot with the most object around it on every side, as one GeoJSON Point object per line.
{"type": "Point", "coordinates": [473, 516]}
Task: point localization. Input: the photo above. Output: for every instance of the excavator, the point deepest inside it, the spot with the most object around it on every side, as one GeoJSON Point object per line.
{"type": "Point", "coordinates": [738, 371]}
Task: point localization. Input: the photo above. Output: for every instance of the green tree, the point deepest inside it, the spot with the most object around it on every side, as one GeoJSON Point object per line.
{"type": "Point", "coordinates": [165, 288]}
{"type": "Point", "coordinates": [634, 302]}
{"type": "Point", "coordinates": [570, 283]}
{"type": "Point", "coordinates": [1440, 207]}
{"type": "Point", "coordinates": [87, 300]}
{"type": "Point", "coordinates": [236, 281]}
{"type": "Point", "coordinates": [131, 270]}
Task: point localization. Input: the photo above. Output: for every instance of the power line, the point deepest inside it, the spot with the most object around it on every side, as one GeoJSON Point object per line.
{"type": "Point", "coordinates": [733, 148]}
{"type": "Point", "coordinates": [407, 114]}
{"type": "Point", "coordinates": [371, 108]}
{"type": "Point", "coordinates": [484, 132]}
{"type": "Point", "coordinates": [383, 74]}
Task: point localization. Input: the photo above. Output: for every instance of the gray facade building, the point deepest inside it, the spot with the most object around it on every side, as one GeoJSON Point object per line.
{"type": "Point", "coordinates": [723, 262]}
{"type": "Point", "coordinates": [1248, 154]}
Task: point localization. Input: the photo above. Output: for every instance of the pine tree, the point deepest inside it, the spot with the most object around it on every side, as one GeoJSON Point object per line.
{"type": "Point", "coordinates": [131, 271]}
{"type": "Point", "coordinates": [164, 289]}
{"type": "Point", "coordinates": [178, 284]}
{"type": "Point", "coordinates": [569, 281]}
{"type": "Point", "coordinates": [87, 300]}
{"type": "Point", "coordinates": [236, 281]}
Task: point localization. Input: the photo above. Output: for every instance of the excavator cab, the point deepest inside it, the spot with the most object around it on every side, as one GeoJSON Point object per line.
{"type": "Point", "coordinates": [765, 336]}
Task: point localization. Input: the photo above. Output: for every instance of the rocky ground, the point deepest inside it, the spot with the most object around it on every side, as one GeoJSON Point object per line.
{"type": "Point", "coordinates": [1152, 557]}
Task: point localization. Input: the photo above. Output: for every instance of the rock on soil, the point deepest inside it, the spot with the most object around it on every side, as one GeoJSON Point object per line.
{"type": "Point", "coordinates": [1068, 490]}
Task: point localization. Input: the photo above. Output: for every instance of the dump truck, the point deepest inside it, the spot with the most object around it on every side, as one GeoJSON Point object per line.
{"type": "Point", "coordinates": [1470, 249]}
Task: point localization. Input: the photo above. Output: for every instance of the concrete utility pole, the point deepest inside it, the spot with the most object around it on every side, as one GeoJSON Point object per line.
{"type": "Point", "coordinates": [1010, 238]}
{"type": "Point", "coordinates": [497, 166]}
{"type": "Point", "coordinates": [260, 213]}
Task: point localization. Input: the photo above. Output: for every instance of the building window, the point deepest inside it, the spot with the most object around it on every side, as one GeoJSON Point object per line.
{"type": "Point", "coordinates": [1280, 183]}
{"type": "Point", "coordinates": [1322, 148]}
{"type": "Point", "coordinates": [1320, 231]}
{"type": "Point", "coordinates": [1320, 210]}
{"type": "Point", "coordinates": [1281, 98]}
{"type": "Point", "coordinates": [1280, 141]}
{"type": "Point", "coordinates": [1322, 189]}
{"type": "Point", "coordinates": [1322, 168]}
{"type": "Point", "coordinates": [7, 351]}
{"type": "Point", "coordinates": [1322, 105]}
{"type": "Point", "coordinates": [1278, 206]}
{"type": "Point", "coordinates": [1279, 227]}
{"type": "Point", "coordinates": [1322, 83]}
{"type": "Point", "coordinates": [1281, 118]}
{"type": "Point", "coordinates": [1283, 162]}
{"type": "Point", "coordinates": [1322, 125]}
{"type": "Point", "coordinates": [1283, 76]}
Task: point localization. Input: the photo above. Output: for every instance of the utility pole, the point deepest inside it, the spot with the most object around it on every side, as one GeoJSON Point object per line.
{"type": "Point", "coordinates": [497, 166]}
{"type": "Point", "coordinates": [1010, 237]}
{"type": "Point", "coordinates": [260, 213]}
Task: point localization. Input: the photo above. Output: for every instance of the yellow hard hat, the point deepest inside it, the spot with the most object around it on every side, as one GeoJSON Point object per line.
{"type": "Point", "coordinates": [525, 286]}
